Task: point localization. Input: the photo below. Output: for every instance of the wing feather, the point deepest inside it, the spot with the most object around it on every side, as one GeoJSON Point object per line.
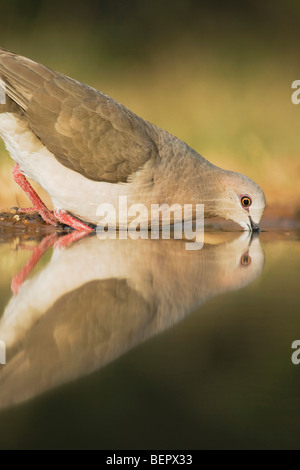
{"type": "Point", "coordinates": [86, 130]}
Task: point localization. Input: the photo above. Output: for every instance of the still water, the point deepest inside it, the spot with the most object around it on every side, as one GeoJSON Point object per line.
{"type": "Point", "coordinates": [141, 344]}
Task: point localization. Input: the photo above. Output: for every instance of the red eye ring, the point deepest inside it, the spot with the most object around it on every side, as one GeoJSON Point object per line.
{"type": "Point", "coordinates": [246, 201]}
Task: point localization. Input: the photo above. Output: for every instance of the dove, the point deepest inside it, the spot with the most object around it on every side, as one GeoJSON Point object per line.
{"type": "Point", "coordinates": [85, 149]}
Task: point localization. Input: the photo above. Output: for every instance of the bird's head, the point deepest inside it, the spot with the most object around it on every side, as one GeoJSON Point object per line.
{"type": "Point", "coordinates": [239, 199]}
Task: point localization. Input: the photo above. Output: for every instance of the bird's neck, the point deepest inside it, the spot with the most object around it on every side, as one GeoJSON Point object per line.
{"type": "Point", "coordinates": [189, 178]}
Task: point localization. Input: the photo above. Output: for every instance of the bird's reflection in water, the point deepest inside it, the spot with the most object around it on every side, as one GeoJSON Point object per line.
{"type": "Point", "coordinates": [95, 300]}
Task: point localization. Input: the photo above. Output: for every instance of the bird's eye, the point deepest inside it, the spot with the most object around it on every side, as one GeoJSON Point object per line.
{"type": "Point", "coordinates": [246, 259]}
{"type": "Point", "coordinates": [246, 201]}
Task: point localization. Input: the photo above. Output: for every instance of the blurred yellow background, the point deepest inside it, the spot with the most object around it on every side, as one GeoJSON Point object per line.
{"type": "Point", "coordinates": [216, 74]}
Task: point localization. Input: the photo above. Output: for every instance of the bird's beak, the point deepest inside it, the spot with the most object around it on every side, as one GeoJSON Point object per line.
{"type": "Point", "coordinates": [254, 226]}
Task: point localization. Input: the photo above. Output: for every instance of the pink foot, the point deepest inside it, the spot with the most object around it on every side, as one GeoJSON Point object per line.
{"type": "Point", "coordinates": [69, 239]}
{"type": "Point", "coordinates": [39, 206]}
{"type": "Point", "coordinates": [68, 219]}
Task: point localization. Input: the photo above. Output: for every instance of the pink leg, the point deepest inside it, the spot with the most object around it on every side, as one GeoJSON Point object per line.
{"type": "Point", "coordinates": [68, 219]}
{"type": "Point", "coordinates": [39, 251]}
{"type": "Point", "coordinates": [39, 206]}
{"type": "Point", "coordinates": [29, 266]}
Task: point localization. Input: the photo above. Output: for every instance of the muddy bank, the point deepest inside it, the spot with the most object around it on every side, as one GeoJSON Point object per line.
{"type": "Point", "coordinates": [31, 222]}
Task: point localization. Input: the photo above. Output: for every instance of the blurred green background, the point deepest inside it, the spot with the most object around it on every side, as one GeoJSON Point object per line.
{"type": "Point", "coordinates": [216, 74]}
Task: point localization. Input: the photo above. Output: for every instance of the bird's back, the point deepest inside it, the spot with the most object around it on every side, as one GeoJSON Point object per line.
{"type": "Point", "coordinates": [86, 130]}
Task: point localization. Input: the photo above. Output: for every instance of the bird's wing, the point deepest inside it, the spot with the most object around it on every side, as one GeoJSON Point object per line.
{"type": "Point", "coordinates": [83, 331]}
{"type": "Point", "coordinates": [86, 130]}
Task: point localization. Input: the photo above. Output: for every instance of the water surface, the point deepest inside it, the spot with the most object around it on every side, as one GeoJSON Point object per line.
{"type": "Point", "coordinates": [141, 344]}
